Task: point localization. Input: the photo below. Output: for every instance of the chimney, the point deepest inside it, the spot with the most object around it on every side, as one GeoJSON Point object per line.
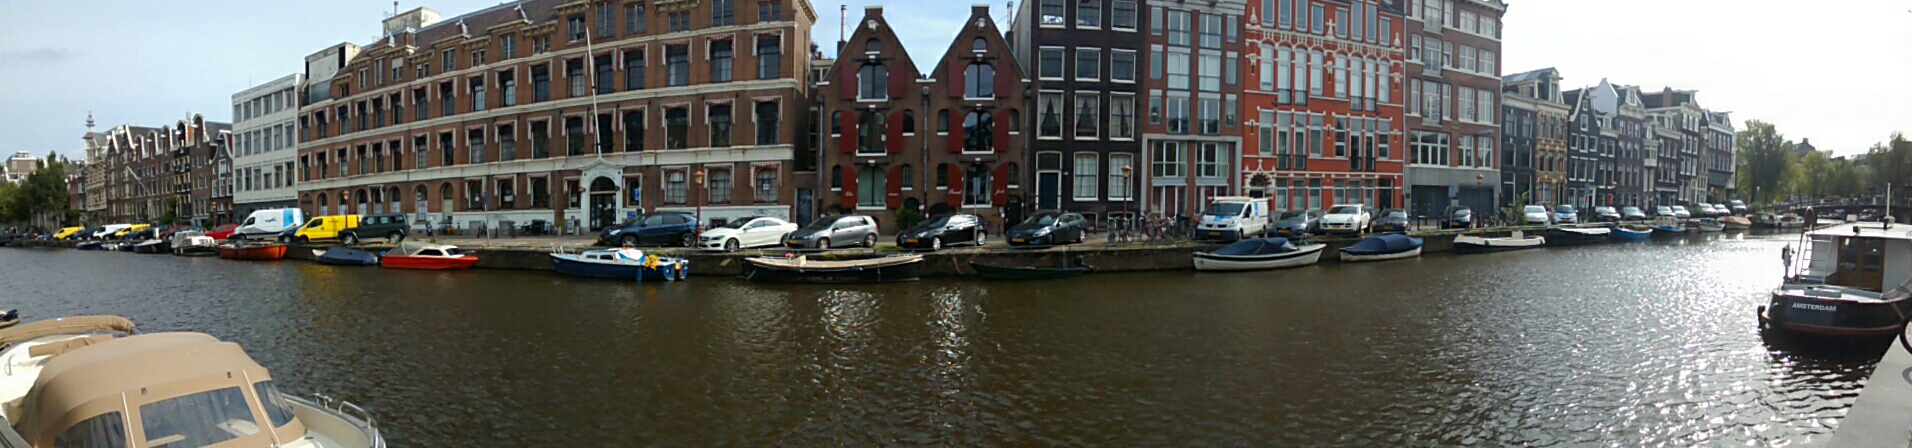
{"type": "Point", "coordinates": [873, 11]}
{"type": "Point", "coordinates": [979, 10]}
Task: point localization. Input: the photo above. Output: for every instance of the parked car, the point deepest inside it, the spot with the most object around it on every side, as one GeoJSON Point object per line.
{"type": "Point", "coordinates": [1347, 218]}
{"type": "Point", "coordinates": [1682, 212]}
{"type": "Point", "coordinates": [1297, 223]}
{"type": "Point", "coordinates": [325, 228]}
{"type": "Point", "coordinates": [67, 232]}
{"type": "Point", "coordinates": [1737, 206]}
{"type": "Point", "coordinates": [665, 228]}
{"type": "Point", "coordinates": [1233, 217]}
{"type": "Point", "coordinates": [287, 235]}
{"type": "Point", "coordinates": [942, 231]}
{"type": "Point", "coordinates": [1632, 214]}
{"type": "Point", "coordinates": [1605, 214]}
{"type": "Point", "coordinates": [390, 226]}
{"type": "Point", "coordinates": [265, 223]}
{"type": "Point", "coordinates": [746, 233]}
{"type": "Point", "coordinates": [1535, 215]}
{"type": "Point", "coordinates": [1457, 217]}
{"type": "Point", "coordinates": [1392, 220]}
{"type": "Point", "coordinates": [226, 231]}
{"type": "Point", "coordinates": [1665, 211]}
{"type": "Point", "coordinates": [827, 232]}
{"type": "Point", "coordinates": [1565, 214]}
{"type": "Point", "coordinates": [1048, 228]}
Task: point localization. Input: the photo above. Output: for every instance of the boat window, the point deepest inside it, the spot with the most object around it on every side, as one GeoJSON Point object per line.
{"type": "Point", "coordinates": [453, 252]}
{"type": "Point", "coordinates": [431, 253]}
{"type": "Point", "coordinates": [199, 419]}
{"type": "Point", "coordinates": [277, 408]}
{"type": "Point", "coordinates": [102, 431]}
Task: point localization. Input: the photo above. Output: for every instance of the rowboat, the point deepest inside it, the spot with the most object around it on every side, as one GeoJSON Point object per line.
{"type": "Point", "coordinates": [1469, 244]}
{"type": "Point", "coordinates": [1258, 254]}
{"type": "Point", "coordinates": [413, 255]}
{"type": "Point", "coordinates": [1571, 236]}
{"type": "Point", "coordinates": [1392, 246]}
{"type": "Point", "coordinates": [622, 264]}
{"type": "Point", "coordinates": [1625, 233]}
{"type": "Point", "coordinates": [1736, 223]}
{"type": "Point", "coordinates": [803, 270]}
{"type": "Point", "coordinates": [1030, 273]}
{"type": "Point", "coordinates": [243, 250]}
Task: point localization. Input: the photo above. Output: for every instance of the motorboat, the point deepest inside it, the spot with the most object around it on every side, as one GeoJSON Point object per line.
{"type": "Point", "coordinates": [415, 255]}
{"type": "Point", "coordinates": [1258, 254]}
{"type": "Point", "coordinates": [1470, 244]}
{"type": "Point", "coordinates": [153, 246]}
{"type": "Point", "coordinates": [994, 272]}
{"type": "Point", "coordinates": [1631, 233]}
{"type": "Point", "coordinates": [1668, 228]}
{"type": "Point", "coordinates": [89, 245]}
{"type": "Point", "coordinates": [1392, 246]}
{"type": "Point", "coordinates": [238, 249]}
{"type": "Point", "coordinates": [1574, 236]}
{"type": "Point", "coordinates": [1736, 222]}
{"type": "Point", "coordinates": [801, 269]}
{"type": "Point", "coordinates": [9, 318]}
{"type": "Point", "coordinates": [622, 264]}
{"type": "Point", "coordinates": [87, 381]}
{"type": "Point", "coordinates": [1848, 282]}
{"type": "Point", "coordinates": [345, 256]}
{"type": "Point", "coordinates": [194, 244]}
{"type": "Point", "coordinates": [1710, 225]}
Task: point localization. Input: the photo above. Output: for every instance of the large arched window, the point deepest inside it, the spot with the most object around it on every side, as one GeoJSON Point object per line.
{"type": "Point", "coordinates": [870, 134]}
{"type": "Point", "coordinates": [873, 82]}
{"type": "Point", "coordinates": [979, 81]}
{"type": "Point", "coordinates": [979, 132]}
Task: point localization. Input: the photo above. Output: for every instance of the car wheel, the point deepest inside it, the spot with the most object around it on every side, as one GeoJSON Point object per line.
{"type": "Point", "coordinates": [870, 241]}
{"type": "Point", "coordinates": [689, 240]}
{"type": "Point", "coordinates": [349, 239]}
{"type": "Point", "coordinates": [627, 241]}
{"type": "Point", "coordinates": [935, 244]}
{"type": "Point", "coordinates": [823, 243]}
{"type": "Point", "coordinates": [730, 245]}
{"type": "Point", "coordinates": [395, 237]}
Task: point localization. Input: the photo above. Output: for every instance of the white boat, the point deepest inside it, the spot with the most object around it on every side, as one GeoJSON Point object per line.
{"type": "Point", "coordinates": [1710, 225]}
{"type": "Point", "coordinates": [1469, 244]}
{"type": "Point", "coordinates": [1258, 254]}
{"type": "Point", "coordinates": [87, 381]}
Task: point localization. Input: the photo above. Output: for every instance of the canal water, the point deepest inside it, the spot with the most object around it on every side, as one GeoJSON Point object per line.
{"type": "Point", "coordinates": [1623, 344]}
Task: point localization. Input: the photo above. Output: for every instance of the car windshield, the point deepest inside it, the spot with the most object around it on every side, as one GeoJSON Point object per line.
{"type": "Point", "coordinates": [1397, 214]}
{"type": "Point", "coordinates": [1293, 217]}
{"type": "Point", "coordinates": [631, 222]}
{"type": "Point", "coordinates": [738, 224]}
{"type": "Point", "coordinates": [1461, 212]}
{"type": "Point", "coordinates": [936, 222]}
{"type": "Point", "coordinates": [1345, 210]}
{"type": "Point", "coordinates": [1630, 210]}
{"type": "Point", "coordinates": [1563, 209]}
{"type": "Point", "coordinates": [1225, 209]}
{"type": "Point", "coordinates": [821, 224]}
{"type": "Point", "coordinates": [1533, 209]}
{"type": "Point", "coordinates": [1041, 219]}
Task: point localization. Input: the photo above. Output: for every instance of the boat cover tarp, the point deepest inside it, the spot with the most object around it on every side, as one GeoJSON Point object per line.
{"type": "Point", "coordinates": [349, 255]}
{"type": "Point", "coordinates": [1384, 244]}
{"type": "Point", "coordinates": [68, 325]}
{"type": "Point", "coordinates": [1260, 246]}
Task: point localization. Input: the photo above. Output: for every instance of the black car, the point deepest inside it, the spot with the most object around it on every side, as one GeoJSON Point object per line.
{"type": "Point", "coordinates": [1048, 228]}
{"type": "Point", "coordinates": [1457, 217]}
{"type": "Point", "coordinates": [390, 226]}
{"type": "Point", "coordinates": [1605, 214]}
{"type": "Point", "coordinates": [1392, 220]}
{"type": "Point", "coordinates": [1297, 223]}
{"type": "Point", "coordinates": [941, 231]}
{"type": "Point", "coordinates": [1632, 214]}
{"type": "Point", "coordinates": [666, 228]}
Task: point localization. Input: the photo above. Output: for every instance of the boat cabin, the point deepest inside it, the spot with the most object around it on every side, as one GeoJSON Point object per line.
{"type": "Point", "coordinates": [1871, 256]}
{"type": "Point", "coordinates": [428, 250]}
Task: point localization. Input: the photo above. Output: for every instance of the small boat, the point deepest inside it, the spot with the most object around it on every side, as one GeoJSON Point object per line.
{"type": "Point", "coordinates": [9, 318]}
{"type": "Point", "coordinates": [1841, 288]}
{"type": "Point", "coordinates": [194, 244]}
{"type": "Point", "coordinates": [1392, 246]}
{"type": "Point", "coordinates": [91, 381]}
{"type": "Point", "coordinates": [622, 264]}
{"type": "Point", "coordinates": [153, 246]}
{"type": "Point", "coordinates": [1667, 228]}
{"type": "Point", "coordinates": [1573, 236]}
{"type": "Point", "coordinates": [801, 269]}
{"type": "Point", "coordinates": [1790, 221]}
{"type": "Point", "coordinates": [1736, 223]}
{"type": "Point", "coordinates": [1469, 244]}
{"type": "Point", "coordinates": [1709, 225]}
{"type": "Point", "coordinates": [1258, 254]}
{"type": "Point", "coordinates": [90, 245]}
{"type": "Point", "coordinates": [414, 255]}
{"type": "Point", "coordinates": [1631, 233]}
{"type": "Point", "coordinates": [245, 250]}
{"type": "Point", "coordinates": [1031, 273]}
{"type": "Point", "coordinates": [345, 256]}
{"type": "Point", "coordinates": [123, 246]}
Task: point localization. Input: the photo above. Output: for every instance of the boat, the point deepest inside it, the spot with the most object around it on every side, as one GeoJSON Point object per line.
{"type": "Point", "coordinates": [1840, 285]}
{"type": "Point", "coordinates": [90, 381]}
{"type": "Point", "coordinates": [1573, 236]}
{"type": "Point", "coordinates": [1031, 273]}
{"type": "Point", "coordinates": [1392, 246]}
{"type": "Point", "coordinates": [1736, 223]}
{"type": "Point", "coordinates": [9, 318]}
{"type": "Point", "coordinates": [621, 264]}
{"type": "Point", "coordinates": [246, 250]}
{"type": "Point", "coordinates": [89, 245]}
{"type": "Point", "coordinates": [123, 246]}
{"type": "Point", "coordinates": [1668, 228]}
{"type": "Point", "coordinates": [801, 269]}
{"type": "Point", "coordinates": [1258, 254]}
{"type": "Point", "coordinates": [1709, 225]}
{"type": "Point", "coordinates": [1790, 221]}
{"type": "Point", "coordinates": [194, 244]}
{"type": "Point", "coordinates": [345, 256]}
{"type": "Point", "coordinates": [1631, 233]}
{"type": "Point", "coordinates": [153, 246]}
{"type": "Point", "coordinates": [1469, 244]}
{"type": "Point", "coordinates": [415, 255]}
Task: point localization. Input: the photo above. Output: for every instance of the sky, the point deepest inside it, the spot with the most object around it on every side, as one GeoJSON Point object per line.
{"type": "Point", "coordinates": [1841, 77]}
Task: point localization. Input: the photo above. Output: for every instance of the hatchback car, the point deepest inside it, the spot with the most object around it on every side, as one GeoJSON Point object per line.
{"type": "Point", "coordinates": [1682, 212]}
{"type": "Point", "coordinates": [1737, 206]}
{"type": "Point", "coordinates": [1392, 220]}
{"type": "Point", "coordinates": [1048, 228]}
{"type": "Point", "coordinates": [665, 228]}
{"type": "Point", "coordinates": [834, 231]}
{"type": "Point", "coordinates": [1348, 218]}
{"type": "Point", "coordinates": [225, 231]}
{"type": "Point", "coordinates": [1605, 214]}
{"type": "Point", "coordinates": [1297, 223]}
{"type": "Point", "coordinates": [746, 233]}
{"type": "Point", "coordinates": [1632, 214]}
{"type": "Point", "coordinates": [1457, 217]}
{"type": "Point", "coordinates": [1535, 215]}
{"type": "Point", "coordinates": [942, 231]}
{"type": "Point", "coordinates": [1566, 214]}
{"type": "Point", "coordinates": [1664, 211]}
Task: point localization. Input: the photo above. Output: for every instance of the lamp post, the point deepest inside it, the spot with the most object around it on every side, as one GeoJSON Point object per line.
{"type": "Point", "coordinates": [698, 178]}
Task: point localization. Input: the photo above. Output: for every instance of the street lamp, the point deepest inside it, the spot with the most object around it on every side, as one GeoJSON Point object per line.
{"type": "Point", "coordinates": [698, 178]}
{"type": "Point", "coordinates": [1127, 186]}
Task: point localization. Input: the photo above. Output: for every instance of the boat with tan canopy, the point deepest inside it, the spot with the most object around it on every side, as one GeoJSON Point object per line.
{"type": "Point", "coordinates": [90, 381]}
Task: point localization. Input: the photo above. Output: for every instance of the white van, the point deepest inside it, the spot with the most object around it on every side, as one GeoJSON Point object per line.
{"type": "Point", "coordinates": [268, 223]}
{"type": "Point", "coordinates": [110, 230]}
{"type": "Point", "coordinates": [1233, 218]}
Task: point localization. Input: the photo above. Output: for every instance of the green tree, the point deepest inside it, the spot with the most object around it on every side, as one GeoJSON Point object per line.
{"type": "Point", "coordinates": [1810, 174]}
{"type": "Point", "coordinates": [1765, 157]}
{"type": "Point", "coordinates": [1890, 162]}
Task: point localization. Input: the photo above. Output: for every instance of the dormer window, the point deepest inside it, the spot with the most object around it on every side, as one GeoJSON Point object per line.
{"type": "Point", "coordinates": [873, 46]}
{"type": "Point", "coordinates": [979, 45]}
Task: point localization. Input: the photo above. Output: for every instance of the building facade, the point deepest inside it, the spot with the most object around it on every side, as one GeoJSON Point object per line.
{"type": "Point", "coordinates": [1085, 61]}
{"type": "Point", "coordinates": [1721, 180]}
{"type": "Point", "coordinates": [1325, 102]}
{"type": "Point", "coordinates": [1453, 91]}
{"type": "Point", "coordinates": [1518, 149]}
{"type": "Point", "coordinates": [578, 113]}
{"type": "Point", "coordinates": [265, 145]}
{"type": "Point", "coordinates": [18, 167]}
{"type": "Point", "coordinates": [1541, 88]}
{"type": "Point", "coordinates": [1629, 150]}
{"type": "Point", "coordinates": [1679, 110]}
{"type": "Point", "coordinates": [1194, 150]}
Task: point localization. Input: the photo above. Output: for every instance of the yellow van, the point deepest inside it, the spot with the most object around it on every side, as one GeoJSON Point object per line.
{"type": "Point", "coordinates": [67, 233]}
{"type": "Point", "coordinates": [130, 229]}
{"type": "Point", "coordinates": [325, 228]}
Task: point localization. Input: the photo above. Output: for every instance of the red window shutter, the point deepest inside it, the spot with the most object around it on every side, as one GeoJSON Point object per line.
{"type": "Point", "coordinates": [848, 140]}
{"type": "Point", "coordinates": [895, 190]}
{"type": "Point", "coordinates": [956, 184]}
{"type": "Point", "coordinates": [955, 78]}
{"type": "Point", "coordinates": [1005, 81]}
{"type": "Point", "coordinates": [1001, 144]}
{"type": "Point", "coordinates": [1000, 185]}
{"type": "Point", "coordinates": [895, 132]}
{"type": "Point", "coordinates": [899, 83]}
{"type": "Point", "coordinates": [846, 80]}
{"type": "Point", "coordinates": [849, 187]}
{"type": "Point", "coordinates": [955, 132]}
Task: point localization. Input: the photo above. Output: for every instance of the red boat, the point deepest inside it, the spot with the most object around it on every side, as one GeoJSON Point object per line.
{"type": "Point", "coordinates": [251, 251]}
{"type": "Point", "coordinates": [427, 256]}
{"type": "Point", "coordinates": [222, 232]}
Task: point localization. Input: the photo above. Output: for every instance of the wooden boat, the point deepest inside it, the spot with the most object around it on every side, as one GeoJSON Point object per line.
{"type": "Point", "coordinates": [1709, 225]}
{"type": "Point", "coordinates": [1840, 288]}
{"type": "Point", "coordinates": [1030, 273]}
{"type": "Point", "coordinates": [622, 264]}
{"type": "Point", "coordinates": [90, 245]}
{"type": "Point", "coordinates": [1392, 246]}
{"type": "Point", "coordinates": [345, 256]}
{"type": "Point", "coordinates": [1736, 223]}
{"type": "Point", "coordinates": [414, 255]}
{"type": "Point", "coordinates": [1573, 236]}
{"type": "Point", "coordinates": [1469, 244]}
{"type": "Point", "coordinates": [1630, 233]}
{"type": "Point", "coordinates": [153, 246]}
{"type": "Point", "coordinates": [243, 250]}
{"type": "Point", "coordinates": [803, 270]}
{"type": "Point", "coordinates": [1258, 254]}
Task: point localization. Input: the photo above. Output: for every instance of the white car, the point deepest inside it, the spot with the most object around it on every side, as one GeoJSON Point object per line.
{"type": "Point", "coordinates": [746, 233]}
{"type": "Point", "coordinates": [1347, 218]}
{"type": "Point", "coordinates": [1535, 215]}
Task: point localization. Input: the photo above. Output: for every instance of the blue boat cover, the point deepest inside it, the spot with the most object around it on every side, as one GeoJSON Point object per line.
{"type": "Point", "coordinates": [1262, 246]}
{"type": "Point", "coordinates": [1385, 244]}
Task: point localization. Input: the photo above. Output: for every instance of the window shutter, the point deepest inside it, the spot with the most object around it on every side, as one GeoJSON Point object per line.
{"type": "Point", "coordinates": [1002, 131]}
{"type": "Point", "coordinates": [1005, 81]}
{"type": "Point", "coordinates": [894, 194]}
{"type": "Point", "coordinates": [894, 130]}
{"type": "Point", "coordinates": [849, 187]}
{"type": "Point", "coordinates": [899, 82]}
{"type": "Point", "coordinates": [955, 83]}
{"type": "Point", "coordinates": [956, 184]}
{"type": "Point", "coordinates": [956, 131]}
{"type": "Point", "coordinates": [847, 143]}
{"type": "Point", "coordinates": [846, 81]}
{"type": "Point", "coordinates": [999, 195]}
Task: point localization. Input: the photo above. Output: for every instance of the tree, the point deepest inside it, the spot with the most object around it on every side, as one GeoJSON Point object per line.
{"type": "Point", "coordinates": [1890, 162]}
{"type": "Point", "coordinates": [1810, 175]}
{"type": "Point", "coordinates": [1764, 159]}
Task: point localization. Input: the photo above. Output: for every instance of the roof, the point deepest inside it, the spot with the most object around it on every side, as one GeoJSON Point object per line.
{"type": "Point", "coordinates": [413, 248]}
{"type": "Point", "coordinates": [106, 376]}
{"type": "Point", "coordinates": [1866, 229]}
{"type": "Point", "coordinates": [1529, 76]}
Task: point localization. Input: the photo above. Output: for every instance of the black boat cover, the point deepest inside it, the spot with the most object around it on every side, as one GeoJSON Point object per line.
{"type": "Point", "coordinates": [1384, 244]}
{"type": "Point", "coordinates": [1262, 246]}
{"type": "Point", "coordinates": [348, 256]}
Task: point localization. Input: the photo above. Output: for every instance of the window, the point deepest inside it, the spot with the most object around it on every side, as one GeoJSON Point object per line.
{"type": "Point", "coordinates": [723, 12]}
{"type": "Point", "coordinates": [1085, 176]}
{"type": "Point", "coordinates": [1178, 28]}
{"type": "Point", "coordinates": [909, 122]}
{"type": "Point", "coordinates": [208, 417]}
{"type": "Point", "coordinates": [574, 136]}
{"type": "Point", "coordinates": [1053, 13]}
{"type": "Point", "coordinates": [1122, 65]}
{"type": "Point", "coordinates": [1211, 75]}
{"type": "Point", "coordinates": [1320, 13]}
{"type": "Point", "coordinates": [1155, 21]}
{"type": "Point", "coordinates": [1488, 64]}
{"type": "Point", "coordinates": [634, 65]}
{"type": "Point", "coordinates": [508, 83]}
{"type": "Point", "coordinates": [605, 80]}
{"type": "Point", "coordinates": [574, 72]}
{"type": "Point", "coordinates": [870, 191]}
{"type": "Point", "coordinates": [720, 61]}
{"type": "Point", "coordinates": [1211, 116]}
{"type": "Point", "coordinates": [475, 141]}
{"type": "Point", "coordinates": [677, 65]}
{"type": "Point", "coordinates": [1212, 161]}
{"type": "Point", "coordinates": [1167, 161]}
{"type": "Point", "coordinates": [1124, 15]}
{"type": "Point", "coordinates": [675, 187]}
{"type": "Point", "coordinates": [1211, 31]}
{"type": "Point", "coordinates": [574, 27]}
{"type": "Point", "coordinates": [445, 99]}
{"type": "Point", "coordinates": [766, 185]}
{"type": "Point", "coordinates": [1089, 14]}
{"type": "Point", "coordinates": [1119, 179]}
{"type": "Point", "coordinates": [634, 19]}
{"type": "Point", "coordinates": [1088, 62]}
{"type": "Point", "coordinates": [718, 186]}
{"type": "Point", "coordinates": [540, 84]}
{"type": "Point", "coordinates": [1484, 111]}
{"type": "Point", "coordinates": [976, 186]}
{"type": "Point", "coordinates": [634, 130]}
{"type": "Point", "coordinates": [979, 132]}
{"type": "Point", "coordinates": [979, 45]}
{"type": "Point", "coordinates": [541, 45]}
{"type": "Point", "coordinates": [1178, 70]}
{"type": "Point", "coordinates": [1049, 63]}
{"type": "Point", "coordinates": [719, 121]}
{"type": "Point", "coordinates": [979, 81]}
{"type": "Point", "coordinates": [1178, 115]}
{"type": "Point", "coordinates": [1088, 116]}
{"type": "Point", "coordinates": [1121, 116]}
{"type": "Point", "coordinates": [677, 128]}
{"type": "Point", "coordinates": [767, 125]}
{"type": "Point", "coordinates": [769, 56]}
{"type": "Point", "coordinates": [872, 46]}
{"type": "Point", "coordinates": [769, 11]}
{"type": "Point", "coordinates": [871, 133]}
{"type": "Point", "coordinates": [1049, 115]}
{"type": "Point", "coordinates": [873, 82]}
{"type": "Point", "coordinates": [477, 93]}
{"type": "Point", "coordinates": [678, 21]}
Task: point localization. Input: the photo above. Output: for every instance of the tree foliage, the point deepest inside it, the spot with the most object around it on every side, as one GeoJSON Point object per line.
{"type": "Point", "coordinates": [1890, 162]}
{"type": "Point", "coordinates": [40, 198]}
{"type": "Point", "coordinates": [1765, 158]}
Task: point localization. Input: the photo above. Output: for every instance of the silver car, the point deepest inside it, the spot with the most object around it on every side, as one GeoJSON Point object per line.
{"type": "Point", "coordinates": [835, 231]}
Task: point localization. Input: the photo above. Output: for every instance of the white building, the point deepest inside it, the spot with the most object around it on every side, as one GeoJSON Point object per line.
{"type": "Point", "coordinates": [19, 166]}
{"type": "Point", "coordinates": [265, 130]}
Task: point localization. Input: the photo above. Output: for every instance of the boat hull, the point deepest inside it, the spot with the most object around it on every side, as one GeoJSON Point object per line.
{"type": "Point", "coordinates": [1565, 237]}
{"type": "Point", "coordinates": [195, 251]}
{"type": "Point", "coordinates": [897, 272]}
{"type": "Point", "coordinates": [1476, 245]}
{"type": "Point", "coordinates": [568, 265]}
{"type": "Point", "coordinates": [1831, 317]}
{"type": "Point", "coordinates": [428, 263]}
{"type": "Point", "coordinates": [159, 247]}
{"type": "Point", "coordinates": [1306, 255]}
{"type": "Point", "coordinates": [252, 252]}
{"type": "Point", "coordinates": [345, 257]}
{"type": "Point", "coordinates": [1668, 232]}
{"type": "Point", "coordinates": [1631, 235]}
{"type": "Point", "coordinates": [1020, 273]}
{"type": "Point", "coordinates": [1358, 258]}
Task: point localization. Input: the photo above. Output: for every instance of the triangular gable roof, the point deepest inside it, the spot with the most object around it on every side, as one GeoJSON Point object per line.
{"type": "Point", "coordinates": [980, 24]}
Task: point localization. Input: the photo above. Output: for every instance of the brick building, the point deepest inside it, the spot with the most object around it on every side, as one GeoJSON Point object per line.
{"type": "Point", "coordinates": [1453, 92]}
{"type": "Point", "coordinates": [581, 113]}
{"type": "Point", "coordinates": [1085, 58]}
{"type": "Point", "coordinates": [1325, 99]}
{"type": "Point", "coordinates": [1193, 135]}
